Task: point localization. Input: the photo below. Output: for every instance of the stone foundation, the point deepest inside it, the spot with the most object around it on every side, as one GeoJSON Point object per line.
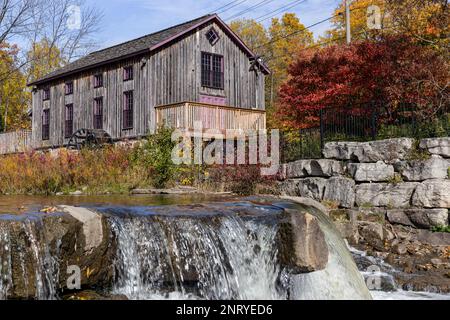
{"type": "Point", "coordinates": [407, 180]}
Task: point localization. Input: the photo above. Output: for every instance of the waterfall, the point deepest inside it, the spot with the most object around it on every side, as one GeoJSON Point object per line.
{"type": "Point", "coordinates": [26, 247]}
{"type": "Point", "coordinates": [195, 258]}
{"type": "Point", "coordinates": [5, 263]}
{"type": "Point", "coordinates": [210, 251]}
{"type": "Point", "coordinates": [340, 280]}
{"type": "Point", "coordinates": [223, 257]}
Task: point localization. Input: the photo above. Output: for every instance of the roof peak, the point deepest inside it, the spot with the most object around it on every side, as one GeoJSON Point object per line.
{"type": "Point", "coordinates": [155, 33]}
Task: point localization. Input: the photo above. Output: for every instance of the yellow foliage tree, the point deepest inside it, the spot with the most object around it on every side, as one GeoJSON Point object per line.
{"type": "Point", "coordinates": [428, 21]}
{"type": "Point", "coordinates": [278, 46]}
{"type": "Point", "coordinates": [14, 97]}
{"type": "Point", "coordinates": [425, 20]}
{"type": "Point", "coordinates": [288, 35]}
{"type": "Point", "coordinates": [252, 33]}
{"type": "Point", "coordinates": [44, 57]}
{"type": "Point", "coordinates": [358, 21]}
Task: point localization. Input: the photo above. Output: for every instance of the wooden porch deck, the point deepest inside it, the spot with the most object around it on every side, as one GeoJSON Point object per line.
{"type": "Point", "coordinates": [213, 117]}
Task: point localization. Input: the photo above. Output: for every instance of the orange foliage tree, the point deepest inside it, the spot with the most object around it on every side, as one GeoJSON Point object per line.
{"type": "Point", "coordinates": [389, 72]}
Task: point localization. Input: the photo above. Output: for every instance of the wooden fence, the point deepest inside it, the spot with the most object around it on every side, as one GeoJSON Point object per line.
{"type": "Point", "coordinates": [15, 142]}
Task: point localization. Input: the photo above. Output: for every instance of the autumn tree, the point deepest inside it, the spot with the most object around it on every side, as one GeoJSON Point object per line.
{"type": "Point", "coordinates": [66, 25]}
{"type": "Point", "coordinates": [358, 21]}
{"type": "Point", "coordinates": [426, 21]}
{"type": "Point", "coordinates": [388, 72]}
{"type": "Point", "coordinates": [253, 34]}
{"type": "Point", "coordinates": [287, 36]}
{"type": "Point", "coordinates": [278, 46]}
{"type": "Point", "coordinates": [44, 58]}
{"type": "Point", "coordinates": [13, 96]}
{"type": "Point", "coordinates": [51, 33]}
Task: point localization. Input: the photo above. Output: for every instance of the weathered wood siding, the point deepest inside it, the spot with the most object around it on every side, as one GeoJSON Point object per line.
{"type": "Point", "coordinates": [15, 142]}
{"type": "Point", "coordinates": [178, 70]}
{"type": "Point", "coordinates": [169, 75]}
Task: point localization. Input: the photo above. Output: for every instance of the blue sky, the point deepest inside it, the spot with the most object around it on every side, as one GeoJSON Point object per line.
{"type": "Point", "coordinates": [128, 19]}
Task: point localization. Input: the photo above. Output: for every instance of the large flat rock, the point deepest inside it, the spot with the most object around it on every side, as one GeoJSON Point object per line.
{"type": "Point", "coordinates": [433, 193]}
{"type": "Point", "coordinates": [383, 150]}
{"type": "Point", "coordinates": [418, 217]}
{"type": "Point", "coordinates": [340, 190]}
{"type": "Point", "coordinates": [439, 146]}
{"type": "Point", "coordinates": [314, 168]}
{"type": "Point", "coordinates": [371, 172]}
{"type": "Point", "coordinates": [385, 194]}
{"type": "Point", "coordinates": [419, 170]}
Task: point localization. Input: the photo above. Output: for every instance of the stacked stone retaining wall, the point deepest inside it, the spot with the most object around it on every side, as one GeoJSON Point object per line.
{"type": "Point", "coordinates": [407, 180]}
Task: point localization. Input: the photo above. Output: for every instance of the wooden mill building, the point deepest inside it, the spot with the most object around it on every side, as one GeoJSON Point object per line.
{"type": "Point", "coordinates": [196, 71]}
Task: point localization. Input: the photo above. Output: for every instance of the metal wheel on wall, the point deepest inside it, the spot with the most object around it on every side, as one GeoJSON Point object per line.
{"type": "Point", "coordinates": [89, 138]}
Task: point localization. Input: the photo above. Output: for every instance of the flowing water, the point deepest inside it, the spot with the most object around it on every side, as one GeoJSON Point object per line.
{"type": "Point", "coordinates": [218, 254]}
{"type": "Point", "coordinates": [386, 275]}
{"type": "Point", "coordinates": [232, 261]}
{"type": "Point", "coordinates": [32, 248]}
{"type": "Point", "coordinates": [26, 204]}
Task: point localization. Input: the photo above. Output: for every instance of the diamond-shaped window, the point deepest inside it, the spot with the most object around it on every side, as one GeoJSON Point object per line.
{"type": "Point", "coordinates": [212, 36]}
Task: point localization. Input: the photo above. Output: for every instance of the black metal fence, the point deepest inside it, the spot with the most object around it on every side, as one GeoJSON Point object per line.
{"type": "Point", "coordinates": [363, 123]}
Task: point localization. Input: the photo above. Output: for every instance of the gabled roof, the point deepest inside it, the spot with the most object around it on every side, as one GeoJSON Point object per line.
{"type": "Point", "coordinates": [145, 44]}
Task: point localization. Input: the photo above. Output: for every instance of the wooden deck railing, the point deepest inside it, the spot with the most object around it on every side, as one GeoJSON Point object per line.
{"type": "Point", "coordinates": [184, 115]}
{"type": "Point", "coordinates": [15, 142]}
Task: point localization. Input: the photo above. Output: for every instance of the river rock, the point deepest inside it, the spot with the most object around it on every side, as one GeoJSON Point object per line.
{"type": "Point", "coordinates": [427, 218]}
{"type": "Point", "coordinates": [385, 195]}
{"type": "Point", "coordinates": [304, 248]}
{"type": "Point", "coordinates": [432, 194]}
{"type": "Point", "coordinates": [383, 150]}
{"type": "Point", "coordinates": [418, 217]}
{"type": "Point", "coordinates": [368, 172]}
{"type": "Point", "coordinates": [313, 168]}
{"type": "Point", "coordinates": [341, 190]}
{"type": "Point", "coordinates": [440, 146]}
{"type": "Point", "coordinates": [372, 233]}
{"type": "Point", "coordinates": [434, 238]}
{"type": "Point", "coordinates": [348, 230]}
{"type": "Point", "coordinates": [419, 170]}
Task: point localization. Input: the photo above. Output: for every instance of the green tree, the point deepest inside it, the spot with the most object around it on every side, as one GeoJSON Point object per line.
{"type": "Point", "coordinates": [156, 156]}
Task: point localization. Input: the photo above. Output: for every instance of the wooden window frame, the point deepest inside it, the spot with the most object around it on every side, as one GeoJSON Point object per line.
{"type": "Point", "coordinates": [68, 88]}
{"type": "Point", "coordinates": [127, 110]}
{"type": "Point", "coordinates": [98, 113]}
{"type": "Point", "coordinates": [46, 94]}
{"type": "Point", "coordinates": [98, 80]}
{"type": "Point", "coordinates": [212, 39]}
{"type": "Point", "coordinates": [128, 73]}
{"type": "Point", "coordinates": [45, 124]}
{"type": "Point", "coordinates": [68, 120]}
{"type": "Point", "coordinates": [211, 78]}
